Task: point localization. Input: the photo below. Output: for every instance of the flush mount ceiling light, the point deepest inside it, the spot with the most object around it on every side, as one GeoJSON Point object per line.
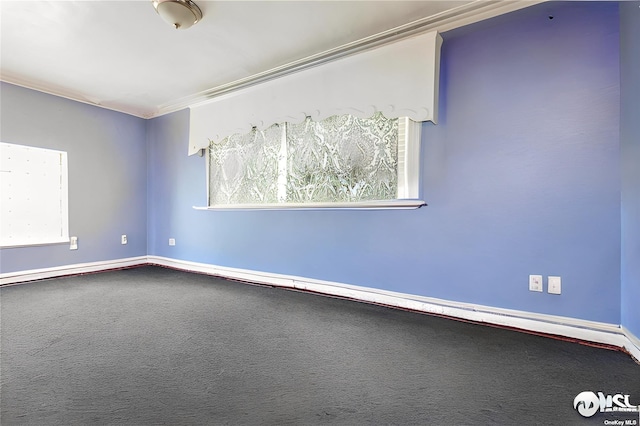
{"type": "Point", "coordinates": [180, 14]}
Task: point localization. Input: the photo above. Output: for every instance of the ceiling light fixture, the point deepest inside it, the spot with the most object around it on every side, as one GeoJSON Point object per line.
{"type": "Point", "coordinates": [180, 14]}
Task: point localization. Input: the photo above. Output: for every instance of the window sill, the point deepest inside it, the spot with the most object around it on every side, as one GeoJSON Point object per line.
{"type": "Point", "coordinates": [7, 245]}
{"type": "Point", "coordinates": [362, 205]}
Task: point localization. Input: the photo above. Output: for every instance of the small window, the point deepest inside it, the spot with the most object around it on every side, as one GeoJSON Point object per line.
{"type": "Point", "coordinates": [343, 160]}
{"type": "Point", "coordinates": [33, 205]}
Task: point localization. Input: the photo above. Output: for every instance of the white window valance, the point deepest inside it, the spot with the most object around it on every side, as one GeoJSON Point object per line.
{"type": "Point", "coordinates": [399, 79]}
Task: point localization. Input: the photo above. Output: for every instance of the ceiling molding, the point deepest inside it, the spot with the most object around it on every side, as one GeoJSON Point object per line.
{"type": "Point", "coordinates": [71, 95]}
{"type": "Point", "coordinates": [453, 18]}
{"type": "Point", "coordinates": [445, 21]}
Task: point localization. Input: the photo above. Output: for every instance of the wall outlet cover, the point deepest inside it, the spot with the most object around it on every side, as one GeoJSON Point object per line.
{"type": "Point", "coordinates": [535, 283]}
{"type": "Point", "coordinates": [123, 239]}
{"type": "Point", "coordinates": [554, 285]}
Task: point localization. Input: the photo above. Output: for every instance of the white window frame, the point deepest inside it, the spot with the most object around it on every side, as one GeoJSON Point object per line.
{"type": "Point", "coordinates": [409, 175]}
{"type": "Point", "coordinates": [34, 206]}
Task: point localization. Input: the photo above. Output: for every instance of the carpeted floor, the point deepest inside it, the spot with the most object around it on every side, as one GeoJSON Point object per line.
{"type": "Point", "coordinates": [156, 346]}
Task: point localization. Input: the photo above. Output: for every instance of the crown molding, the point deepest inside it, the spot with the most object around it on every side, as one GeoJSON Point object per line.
{"type": "Point", "coordinates": [467, 14]}
{"type": "Point", "coordinates": [460, 16]}
{"type": "Point", "coordinates": [71, 95]}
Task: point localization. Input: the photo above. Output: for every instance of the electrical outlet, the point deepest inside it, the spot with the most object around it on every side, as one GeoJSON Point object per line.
{"type": "Point", "coordinates": [172, 241]}
{"type": "Point", "coordinates": [123, 239]}
{"type": "Point", "coordinates": [74, 243]}
{"type": "Point", "coordinates": [535, 282]}
{"type": "Point", "coordinates": [554, 285]}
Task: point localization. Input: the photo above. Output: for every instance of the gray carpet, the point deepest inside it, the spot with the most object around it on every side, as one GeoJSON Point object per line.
{"type": "Point", "coordinates": [156, 346]}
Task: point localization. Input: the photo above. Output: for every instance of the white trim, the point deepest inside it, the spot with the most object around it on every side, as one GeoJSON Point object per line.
{"type": "Point", "coordinates": [585, 330]}
{"type": "Point", "coordinates": [71, 95]}
{"type": "Point", "coordinates": [634, 343]}
{"type": "Point", "coordinates": [397, 79]}
{"type": "Point", "coordinates": [64, 270]}
{"type": "Point", "coordinates": [40, 244]}
{"type": "Point", "coordinates": [409, 165]}
{"type": "Point", "coordinates": [360, 205]}
{"type": "Point", "coordinates": [590, 331]}
{"type": "Point", "coordinates": [35, 210]}
{"type": "Point", "coordinates": [465, 14]}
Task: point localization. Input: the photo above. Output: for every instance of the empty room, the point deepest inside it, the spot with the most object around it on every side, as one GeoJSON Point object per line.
{"type": "Point", "coordinates": [319, 212]}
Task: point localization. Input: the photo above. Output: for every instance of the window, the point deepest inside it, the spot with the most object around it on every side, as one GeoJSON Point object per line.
{"type": "Point", "coordinates": [342, 161]}
{"type": "Point", "coordinates": [33, 205]}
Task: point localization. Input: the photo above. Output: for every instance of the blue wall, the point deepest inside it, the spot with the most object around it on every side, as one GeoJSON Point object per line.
{"type": "Point", "coordinates": [630, 150]}
{"type": "Point", "coordinates": [533, 169]}
{"type": "Point", "coordinates": [106, 153]}
{"type": "Point", "coordinates": [522, 176]}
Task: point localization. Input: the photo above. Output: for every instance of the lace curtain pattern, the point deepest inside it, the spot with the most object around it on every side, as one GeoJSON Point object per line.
{"type": "Point", "coordinates": [243, 169]}
{"type": "Point", "coordinates": [340, 159]}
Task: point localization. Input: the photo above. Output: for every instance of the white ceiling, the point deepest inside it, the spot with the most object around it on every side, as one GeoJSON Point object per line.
{"type": "Point", "coordinates": [121, 55]}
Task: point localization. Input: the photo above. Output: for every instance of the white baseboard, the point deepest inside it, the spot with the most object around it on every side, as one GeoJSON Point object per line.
{"type": "Point", "coordinates": [634, 344]}
{"type": "Point", "coordinates": [78, 268]}
{"type": "Point", "coordinates": [565, 327]}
